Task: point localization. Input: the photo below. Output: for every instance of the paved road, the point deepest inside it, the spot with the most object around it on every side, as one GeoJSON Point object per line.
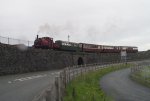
{"type": "Point", "coordinates": [25, 87]}
{"type": "Point", "coordinates": [121, 88]}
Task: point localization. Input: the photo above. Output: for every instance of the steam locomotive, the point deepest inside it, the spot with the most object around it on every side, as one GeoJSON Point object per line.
{"type": "Point", "coordinates": [48, 43]}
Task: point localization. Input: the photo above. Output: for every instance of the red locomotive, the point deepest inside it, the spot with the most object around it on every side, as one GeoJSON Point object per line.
{"type": "Point", "coordinates": [45, 43]}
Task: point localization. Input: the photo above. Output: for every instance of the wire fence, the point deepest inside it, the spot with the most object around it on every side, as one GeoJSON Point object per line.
{"type": "Point", "coordinates": [13, 41]}
{"type": "Point", "coordinates": [140, 68]}
{"type": "Point", "coordinates": [141, 73]}
{"type": "Point", "coordinates": [57, 90]}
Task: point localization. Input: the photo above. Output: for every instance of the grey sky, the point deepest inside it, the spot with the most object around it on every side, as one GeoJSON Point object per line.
{"type": "Point", "coordinates": [112, 22]}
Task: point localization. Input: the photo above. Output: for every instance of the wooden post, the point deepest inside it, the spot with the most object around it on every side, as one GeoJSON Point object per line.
{"type": "Point", "coordinates": [48, 95]}
{"type": "Point", "coordinates": [81, 71]}
{"type": "Point", "coordinates": [57, 88]}
{"type": "Point", "coordinates": [74, 94]}
{"type": "Point", "coordinates": [57, 85]}
{"type": "Point", "coordinates": [73, 74]}
{"type": "Point", "coordinates": [69, 74]}
{"type": "Point", "coordinates": [65, 82]}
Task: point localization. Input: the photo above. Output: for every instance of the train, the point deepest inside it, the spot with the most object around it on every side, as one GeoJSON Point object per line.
{"type": "Point", "coordinates": [48, 43]}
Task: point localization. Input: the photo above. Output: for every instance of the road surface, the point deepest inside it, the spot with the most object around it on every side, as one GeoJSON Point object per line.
{"type": "Point", "coordinates": [119, 86]}
{"type": "Point", "coordinates": [24, 87]}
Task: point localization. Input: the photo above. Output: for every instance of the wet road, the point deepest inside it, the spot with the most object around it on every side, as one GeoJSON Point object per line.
{"type": "Point", "coordinates": [119, 86]}
{"type": "Point", "coordinates": [24, 87]}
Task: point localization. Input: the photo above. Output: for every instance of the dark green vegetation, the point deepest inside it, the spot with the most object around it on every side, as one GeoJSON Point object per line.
{"type": "Point", "coordinates": [87, 88]}
{"type": "Point", "coordinates": [142, 76]}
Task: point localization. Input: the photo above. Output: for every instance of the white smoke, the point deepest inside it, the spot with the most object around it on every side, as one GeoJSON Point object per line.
{"type": "Point", "coordinates": [47, 29]}
{"type": "Point", "coordinates": [57, 31]}
{"type": "Point", "coordinates": [22, 47]}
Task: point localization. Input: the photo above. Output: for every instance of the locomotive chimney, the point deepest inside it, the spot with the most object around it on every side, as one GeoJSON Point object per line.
{"type": "Point", "coordinates": [37, 36]}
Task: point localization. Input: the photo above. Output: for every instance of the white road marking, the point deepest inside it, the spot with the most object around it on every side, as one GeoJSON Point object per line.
{"type": "Point", "coordinates": [9, 82]}
{"type": "Point", "coordinates": [55, 73]}
{"type": "Point", "coordinates": [27, 78]}
{"type": "Point", "coordinates": [32, 77]}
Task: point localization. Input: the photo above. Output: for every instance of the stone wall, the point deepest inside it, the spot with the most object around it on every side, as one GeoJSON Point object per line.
{"type": "Point", "coordinates": [15, 60]}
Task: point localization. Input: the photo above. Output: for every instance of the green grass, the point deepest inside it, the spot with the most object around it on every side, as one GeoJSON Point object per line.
{"type": "Point", "coordinates": [87, 87]}
{"type": "Point", "coordinates": [142, 77]}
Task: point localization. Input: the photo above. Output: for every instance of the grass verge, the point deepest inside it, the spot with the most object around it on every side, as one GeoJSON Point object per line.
{"type": "Point", "coordinates": [142, 77]}
{"type": "Point", "coordinates": [87, 88]}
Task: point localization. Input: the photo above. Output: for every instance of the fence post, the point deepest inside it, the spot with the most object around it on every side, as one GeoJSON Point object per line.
{"type": "Point", "coordinates": [69, 74]}
{"type": "Point", "coordinates": [81, 71]}
{"type": "Point", "coordinates": [48, 95]}
{"type": "Point", "coordinates": [62, 86]}
{"type": "Point", "coordinates": [73, 75]}
{"type": "Point", "coordinates": [68, 77]}
{"type": "Point", "coordinates": [57, 88]}
{"type": "Point", "coordinates": [64, 74]}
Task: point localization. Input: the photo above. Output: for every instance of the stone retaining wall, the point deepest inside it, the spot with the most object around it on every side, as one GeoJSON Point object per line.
{"type": "Point", "coordinates": [15, 60]}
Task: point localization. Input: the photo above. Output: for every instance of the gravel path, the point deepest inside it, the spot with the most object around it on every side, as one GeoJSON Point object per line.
{"type": "Point", "coordinates": [119, 86]}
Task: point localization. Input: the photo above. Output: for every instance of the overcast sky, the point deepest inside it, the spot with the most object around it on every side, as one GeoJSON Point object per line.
{"type": "Point", "coordinates": [111, 22]}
